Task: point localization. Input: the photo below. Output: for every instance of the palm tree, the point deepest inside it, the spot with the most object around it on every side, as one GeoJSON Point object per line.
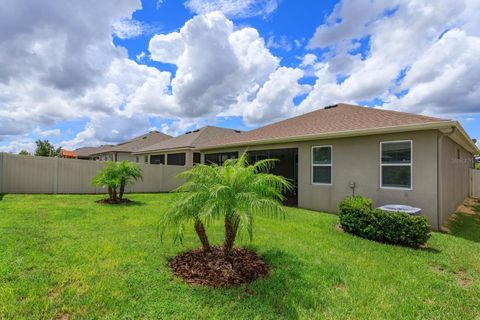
{"type": "Point", "coordinates": [108, 178]}
{"type": "Point", "coordinates": [115, 176]}
{"type": "Point", "coordinates": [234, 192]}
{"type": "Point", "coordinates": [128, 172]}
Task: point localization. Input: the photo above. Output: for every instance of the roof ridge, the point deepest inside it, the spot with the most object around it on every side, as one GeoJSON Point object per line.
{"type": "Point", "coordinates": [391, 111]}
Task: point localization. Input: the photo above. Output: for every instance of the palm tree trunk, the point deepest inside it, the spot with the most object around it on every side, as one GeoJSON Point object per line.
{"type": "Point", "coordinates": [122, 190]}
{"type": "Point", "coordinates": [114, 194]}
{"type": "Point", "coordinates": [202, 235]}
{"type": "Point", "coordinates": [110, 193]}
{"type": "Point", "coordinates": [231, 227]}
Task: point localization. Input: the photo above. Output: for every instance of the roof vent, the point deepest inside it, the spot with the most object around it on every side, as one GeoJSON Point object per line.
{"type": "Point", "coordinates": [196, 130]}
{"type": "Point", "coordinates": [331, 107]}
{"type": "Point", "coordinates": [188, 132]}
{"type": "Point", "coordinates": [237, 131]}
{"type": "Point", "coordinates": [144, 138]}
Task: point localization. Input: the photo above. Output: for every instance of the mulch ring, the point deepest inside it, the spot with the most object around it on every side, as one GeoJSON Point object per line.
{"type": "Point", "coordinates": [108, 201]}
{"type": "Point", "coordinates": [213, 268]}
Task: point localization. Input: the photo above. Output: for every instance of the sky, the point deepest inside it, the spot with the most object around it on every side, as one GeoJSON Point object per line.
{"type": "Point", "coordinates": [86, 73]}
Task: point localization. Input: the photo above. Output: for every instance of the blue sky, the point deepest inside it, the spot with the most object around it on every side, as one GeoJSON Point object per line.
{"type": "Point", "coordinates": [120, 68]}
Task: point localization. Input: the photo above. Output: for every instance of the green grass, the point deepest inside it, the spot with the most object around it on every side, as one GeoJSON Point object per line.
{"type": "Point", "coordinates": [68, 256]}
{"type": "Point", "coordinates": [467, 225]}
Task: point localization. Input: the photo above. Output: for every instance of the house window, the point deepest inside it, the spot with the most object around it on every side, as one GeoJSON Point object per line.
{"type": "Point", "coordinates": [220, 158]}
{"type": "Point", "coordinates": [322, 165]}
{"type": "Point", "coordinates": [137, 159]}
{"type": "Point", "coordinates": [145, 159]}
{"type": "Point", "coordinates": [396, 164]}
{"type": "Point", "coordinates": [176, 159]}
{"type": "Point", "coordinates": [196, 158]}
{"type": "Point", "coordinates": [157, 159]}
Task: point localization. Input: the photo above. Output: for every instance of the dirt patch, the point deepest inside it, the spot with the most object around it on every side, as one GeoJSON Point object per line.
{"type": "Point", "coordinates": [463, 278]}
{"type": "Point", "coordinates": [468, 206]}
{"type": "Point", "coordinates": [108, 201]}
{"type": "Point", "coordinates": [214, 268]}
{"type": "Point", "coordinates": [63, 316]}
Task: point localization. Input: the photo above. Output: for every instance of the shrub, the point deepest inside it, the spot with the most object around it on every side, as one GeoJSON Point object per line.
{"type": "Point", "coordinates": [358, 217]}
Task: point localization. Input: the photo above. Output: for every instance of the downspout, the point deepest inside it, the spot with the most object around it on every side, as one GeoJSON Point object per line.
{"type": "Point", "coordinates": [439, 174]}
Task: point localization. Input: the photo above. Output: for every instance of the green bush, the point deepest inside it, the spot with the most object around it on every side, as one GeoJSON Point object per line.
{"type": "Point", "coordinates": [358, 217]}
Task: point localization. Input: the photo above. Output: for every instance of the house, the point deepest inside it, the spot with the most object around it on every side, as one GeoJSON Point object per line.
{"type": "Point", "coordinates": [68, 154]}
{"type": "Point", "coordinates": [183, 150]}
{"type": "Point", "coordinates": [126, 149]}
{"type": "Point", "coordinates": [86, 153]}
{"type": "Point", "coordinates": [391, 157]}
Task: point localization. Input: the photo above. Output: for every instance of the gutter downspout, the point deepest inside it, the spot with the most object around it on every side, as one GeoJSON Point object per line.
{"type": "Point", "coordinates": [439, 174]}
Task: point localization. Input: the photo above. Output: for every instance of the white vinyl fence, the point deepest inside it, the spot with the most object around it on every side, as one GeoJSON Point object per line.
{"type": "Point", "coordinates": [474, 183]}
{"type": "Point", "coordinates": [29, 174]}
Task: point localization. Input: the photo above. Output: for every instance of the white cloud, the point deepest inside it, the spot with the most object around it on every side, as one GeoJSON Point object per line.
{"type": "Point", "coordinates": [166, 48]}
{"type": "Point", "coordinates": [282, 43]}
{"type": "Point", "coordinates": [215, 66]}
{"type": "Point", "coordinates": [18, 144]}
{"type": "Point", "coordinates": [308, 60]}
{"type": "Point", "coordinates": [421, 51]}
{"type": "Point", "coordinates": [233, 8]}
{"type": "Point", "coordinates": [128, 28]}
{"type": "Point", "coordinates": [275, 99]}
{"type": "Point", "coordinates": [49, 133]}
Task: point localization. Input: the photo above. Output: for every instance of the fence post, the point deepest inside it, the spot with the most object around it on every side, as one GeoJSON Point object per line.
{"type": "Point", "coordinates": [55, 175]}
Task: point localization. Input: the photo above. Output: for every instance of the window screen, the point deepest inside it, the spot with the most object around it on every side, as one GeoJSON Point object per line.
{"type": "Point", "coordinates": [396, 164]}
{"type": "Point", "coordinates": [176, 159]}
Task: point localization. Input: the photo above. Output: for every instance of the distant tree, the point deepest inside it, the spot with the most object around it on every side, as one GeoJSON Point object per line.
{"type": "Point", "coordinates": [24, 153]}
{"type": "Point", "coordinates": [46, 149]}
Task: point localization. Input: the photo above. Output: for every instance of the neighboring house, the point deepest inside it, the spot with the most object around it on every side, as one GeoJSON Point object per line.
{"type": "Point", "coordinates": [68, 154]}
{"type": "Point", "coordinates": [391, 157]}
{"type": "Point", "coordinates": [181, 150]}
{"type": "Point", "coordinates": [86, 153]}
{"type": "Point", "coordinates": [125, 150]}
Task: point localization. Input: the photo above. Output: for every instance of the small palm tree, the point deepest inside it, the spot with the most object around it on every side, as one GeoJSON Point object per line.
{"type": "Point", "coordinates": [108, 178]}
{"type": "Point", "coordinates": [115, 176]}
{"type": "Point", "coordinates": [234, 192]}
{"type": "Point", "coordinates": [128, 172]}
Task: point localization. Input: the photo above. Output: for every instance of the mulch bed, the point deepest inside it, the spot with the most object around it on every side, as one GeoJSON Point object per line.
{"type": "Point", "coordinates": [213, 268]}
{"type": "Point", "coordinates": [108, 201]}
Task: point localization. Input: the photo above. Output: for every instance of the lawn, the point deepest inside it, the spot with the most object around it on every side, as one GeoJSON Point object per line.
{"type": "Point", "coordinates": [65, 256]}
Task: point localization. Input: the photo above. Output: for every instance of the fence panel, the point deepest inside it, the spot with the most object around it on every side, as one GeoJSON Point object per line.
{"type": "Point", "coordinates": [28, 174]}
{"type": "Point", "coordinates": [474, 183]}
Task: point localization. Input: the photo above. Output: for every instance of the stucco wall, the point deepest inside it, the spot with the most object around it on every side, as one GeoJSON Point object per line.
{"type": "Point", "coordinates": [455, 163]}
{"type": "Point", "coordinates": [357, 159]}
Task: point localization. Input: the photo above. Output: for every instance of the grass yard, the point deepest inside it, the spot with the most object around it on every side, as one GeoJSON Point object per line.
{"type": "Point", "coordinates": [67, 257]}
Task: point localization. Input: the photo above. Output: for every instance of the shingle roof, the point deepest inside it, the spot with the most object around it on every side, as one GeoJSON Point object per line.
{"type": "Point", "coordinates": [87, 151]}
{"type": "Point", "coordinates": [338, 118]}
{"type": "Point", "coordinates": [145, 140]}
{"type": "Point", "coordinates": [193, 139]}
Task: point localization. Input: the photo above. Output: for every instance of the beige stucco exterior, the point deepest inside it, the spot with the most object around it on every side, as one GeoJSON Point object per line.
{"type": "Point", "coordinates": [357, 159]}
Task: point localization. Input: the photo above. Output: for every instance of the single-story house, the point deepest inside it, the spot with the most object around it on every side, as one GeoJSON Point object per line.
{"type": "Point", "coordinates": [86, 153]}
{"type": "Point", "coordinates": [125, 150]}
{"type": "Point", "coordinates": [183, 150]}
{"type": "Point", "coordinates": [390, 157]}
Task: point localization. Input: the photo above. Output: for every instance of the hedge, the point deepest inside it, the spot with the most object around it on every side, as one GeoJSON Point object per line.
{"type": "Point", "coordinates": [358, 217]}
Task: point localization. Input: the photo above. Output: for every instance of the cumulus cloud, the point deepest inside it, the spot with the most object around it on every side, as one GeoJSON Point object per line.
{"type": "Point", "coordinates": [215, 66]}
{"type": "Point", "coordinates": [128, 28]}
{"type": "Point", "coordinates": [418, 56]}
{"type": "Point", "coordinates": [233, 8]}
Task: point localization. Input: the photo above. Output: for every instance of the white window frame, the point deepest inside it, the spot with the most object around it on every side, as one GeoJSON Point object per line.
{"type": "Point", "coordinates": [321, 165]}
{"type": "Point", "coordinates": [381, 165]}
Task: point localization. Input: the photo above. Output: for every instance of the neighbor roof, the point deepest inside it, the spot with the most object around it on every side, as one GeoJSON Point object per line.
{"type": "Point", "coordinates": [333, 119]}
{"type": "Point", "coordinates": [137, 143]}
{"type": "Point", "coordinates": [205, 136]}
{"type": "Point", "coordinates": [88, 151]}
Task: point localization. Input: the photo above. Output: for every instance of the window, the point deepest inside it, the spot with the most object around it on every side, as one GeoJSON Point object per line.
{"type": "Point", "coordinates": [220, 158]}
{"type": "Point", "coordinates": [322, 165]}
{"type": "Point", "coordinates": [157, 159]}
{"type": "Point", "coordinates": [176, 159]}
{"type": "Point", "coordinates": [196, 158]}
{"type": "Point", "coordinates": [145, 159]}
{"type": "Point", "coordinates": [396, 164]}
{"type": "Point", "coordinates": [137, 159]}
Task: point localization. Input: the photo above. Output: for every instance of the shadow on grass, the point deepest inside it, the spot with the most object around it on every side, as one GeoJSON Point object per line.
{"type": "Point", "coordinates": [1, 196]}
{"type": "Point", "coordinates": [130, 203]}
{"type": "Point", "coordinates": [466, 226]}
{"type": "Point", "coordinates": [280, 295]}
